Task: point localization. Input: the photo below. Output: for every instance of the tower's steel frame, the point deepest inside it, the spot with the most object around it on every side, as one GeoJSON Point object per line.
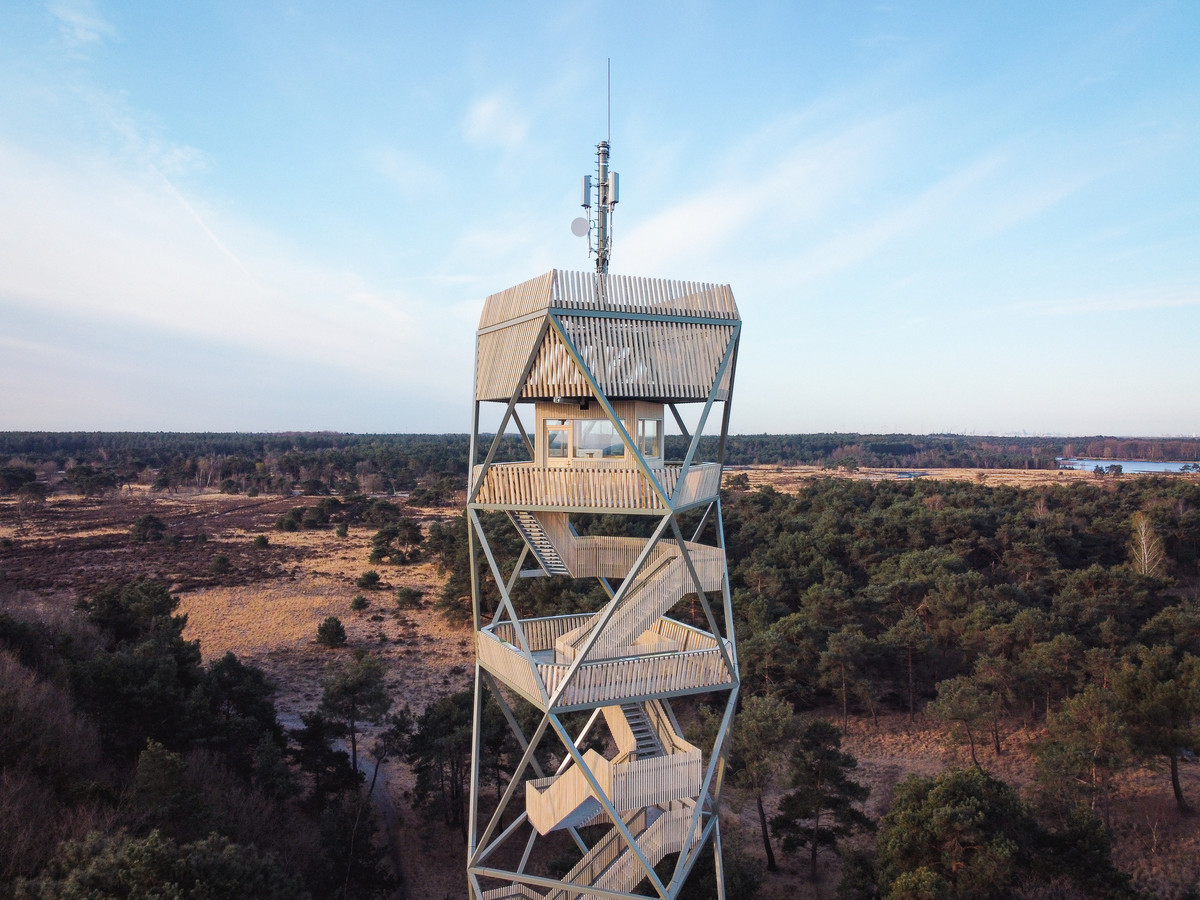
{"type": "Point", "coordinates": [599, 354]}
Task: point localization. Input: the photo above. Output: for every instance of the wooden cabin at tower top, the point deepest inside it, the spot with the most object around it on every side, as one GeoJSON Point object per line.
{"type": "Point", "coordinates": [639, 338]}
{"type": "Point", "coordinates": [577, 345]}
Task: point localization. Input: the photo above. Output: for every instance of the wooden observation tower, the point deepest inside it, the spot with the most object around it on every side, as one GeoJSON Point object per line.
{"type": "Point", "coordinates": [588, 366]}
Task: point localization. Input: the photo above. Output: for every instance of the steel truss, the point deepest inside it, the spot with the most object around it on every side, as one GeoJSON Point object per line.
{"type": "Point", "coordinates": [623, 666]}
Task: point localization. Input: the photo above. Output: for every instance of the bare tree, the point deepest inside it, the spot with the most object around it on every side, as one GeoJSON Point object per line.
{"type": "Point", "coordinates": [1145, 547]}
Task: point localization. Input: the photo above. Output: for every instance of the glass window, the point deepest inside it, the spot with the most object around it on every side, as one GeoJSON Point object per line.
{"type": "Point", "coordinates": [650, 437]}
{"type": "Point", "coordinates": [558, 438]}
{"type": "Point", "coordinates": [596, 439]}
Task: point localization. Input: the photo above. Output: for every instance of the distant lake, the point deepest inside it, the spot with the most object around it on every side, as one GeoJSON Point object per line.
{"type": "Point", "coordinates": [1128, 466]}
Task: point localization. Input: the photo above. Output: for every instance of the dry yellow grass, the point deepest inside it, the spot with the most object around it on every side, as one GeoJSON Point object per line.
{"type": "Point", "coordinates": [791, 478]}
{"type": "Point", "coordinates": [252, 621]}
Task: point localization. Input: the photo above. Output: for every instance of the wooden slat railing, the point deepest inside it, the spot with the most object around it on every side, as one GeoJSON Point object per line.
{"type": "Point", "coordinates": [621, 679]}
{"type": "Point", "coordinates": [551, 800]}
{"type": "Point", "coordinates": [594, 488]}
{"type": "Point", "coordinates": [689, 654]}
{"type": "Point", "coordinates": [628, 785]}
{"type": "Point", "coordinates": [600, 857]}
{"type": "Point", "coordinates": [659, 780]}
{"type": "Point", "coordinates": [506, 662]}
{"type": "Point", "coordinates": [607, 557]}
{"type": "Point", "coordinates": [685, 636]}
{"type": "Point", "coordinates": [541, 633]}
{"type": "Point", "coordinates": [668, 834]}
{"type": "Point", "coordinates": [702, 483]}
{"type": "Point", "coordinates": [649, 598]}
{"type": "Point", "coordinates": [513, 892]}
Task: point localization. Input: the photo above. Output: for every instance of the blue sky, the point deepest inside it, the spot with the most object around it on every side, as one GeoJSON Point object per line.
{"type": "Point", "coordinates": [977, 217]}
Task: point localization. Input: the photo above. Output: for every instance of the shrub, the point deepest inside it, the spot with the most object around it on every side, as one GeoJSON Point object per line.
{"type": "Point", "coordinates": [31, 496]}
{"type": "Point", "coordinates": [407, 597]}
{"type": "Point", "coordinates": [368, 580]}
{"type": "Point", "coordinates": [147, 528]}
{"type": "Point", "coordinates": [359, 603]}
{"type": "Point", "coordinates": [291, 521]}
{"type": "Point", "coordinates": [397, 542]}
{"type": "Point", "coordinates": [342, 529]}
{"type": "Point", "coordinates": [252, 492]}
{"type": "Point", "coordinates": [228, 486]}
{"type": "Point", "coordinates": [220, 564]}
{"type": "Point", "coordinates": [12, 478]}
{"type": "Point", "coordinates": [331, 632]}
{"type": "Point", "coordinates": [261, 541]}
{"type": "Point", "coordinates": [117, 865]}
{"type": "Point", "coordinates": [738, 482]}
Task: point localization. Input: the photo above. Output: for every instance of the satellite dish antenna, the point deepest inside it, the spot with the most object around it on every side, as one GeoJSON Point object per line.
{"type": "Point", "coordinates": [580, 227]}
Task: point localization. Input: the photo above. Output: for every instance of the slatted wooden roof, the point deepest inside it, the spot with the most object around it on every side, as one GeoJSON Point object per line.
{"type": "Point", "coordinates": [645, 338]}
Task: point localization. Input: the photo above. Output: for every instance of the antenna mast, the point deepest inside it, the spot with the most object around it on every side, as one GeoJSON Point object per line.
{"type": "Point", "coordinates": [607, 194]}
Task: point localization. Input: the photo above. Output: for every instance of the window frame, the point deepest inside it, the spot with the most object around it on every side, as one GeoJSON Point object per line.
{"type": "Point", "coordinates": [601, 453]}
{"type": "Point", "coordinates": [558, 426]}
{"type": "Point", "coordinates": [658, 437]}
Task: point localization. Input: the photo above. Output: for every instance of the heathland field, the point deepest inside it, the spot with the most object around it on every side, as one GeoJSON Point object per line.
{"type": "Point", "coordinates": [1031, 612]}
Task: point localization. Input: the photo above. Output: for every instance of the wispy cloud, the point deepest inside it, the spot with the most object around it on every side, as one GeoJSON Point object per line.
{"type": "Point", "coordinates": [800, 183]}
{"type": "Point", "coordinates": [406, 172]}
{"type": "Point", "coordinates": [97, 241]}
{"type": "Point", "coordinates": [79, 23]}
{"type": "Point", "coordinates": [495, 119]}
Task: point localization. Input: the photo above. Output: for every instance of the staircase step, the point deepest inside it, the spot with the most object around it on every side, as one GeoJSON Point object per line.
{"type": "Point", "coordinates": [647, 744]}
{"type": "Point", "coordinates": [539, 543]}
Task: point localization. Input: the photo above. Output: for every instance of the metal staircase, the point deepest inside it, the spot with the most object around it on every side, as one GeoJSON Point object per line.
{"type": "Point", "coordinates": [648, 744]}
{"type": "Point", "coordinates": [539, 542]}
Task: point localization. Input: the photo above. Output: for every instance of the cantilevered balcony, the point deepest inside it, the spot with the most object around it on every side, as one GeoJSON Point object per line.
{"type": "Point", "coordinates": [593, 488]}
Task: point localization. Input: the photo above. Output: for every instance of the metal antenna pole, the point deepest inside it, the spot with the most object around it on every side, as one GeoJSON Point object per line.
{"type": "Point", "coordinates": [603, 210]}
{"type": "Point", "coordinates": [607, 195]}
{"type": "Point", "coordinates": [606, 192]}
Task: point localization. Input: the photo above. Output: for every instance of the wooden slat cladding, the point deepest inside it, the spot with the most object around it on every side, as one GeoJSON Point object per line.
{"type": "Point", "coordinates": [554, 373]}
{"type": "Point", "coordinates": [611, 293]}
{"type": "Point", "coordinates": [519, 300]}
{"type": "Point", "coordinates": [500, 356]}
{"type": "Point", "coordinates": [630, 358]}
{"type": "Point", "coordinates": [651, 296]}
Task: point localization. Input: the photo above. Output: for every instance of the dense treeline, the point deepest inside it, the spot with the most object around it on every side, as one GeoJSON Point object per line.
{"type": "Point", "coordinates": [94, 463]}
{"type": "Point", "coordinates": [943, 450]}
{"type": "Point", "coordinates": [128, 768]}
{"type": "Point", "coordinates": [954, 576]}
{"type": "Point", "coordinates": [1072, 609]}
